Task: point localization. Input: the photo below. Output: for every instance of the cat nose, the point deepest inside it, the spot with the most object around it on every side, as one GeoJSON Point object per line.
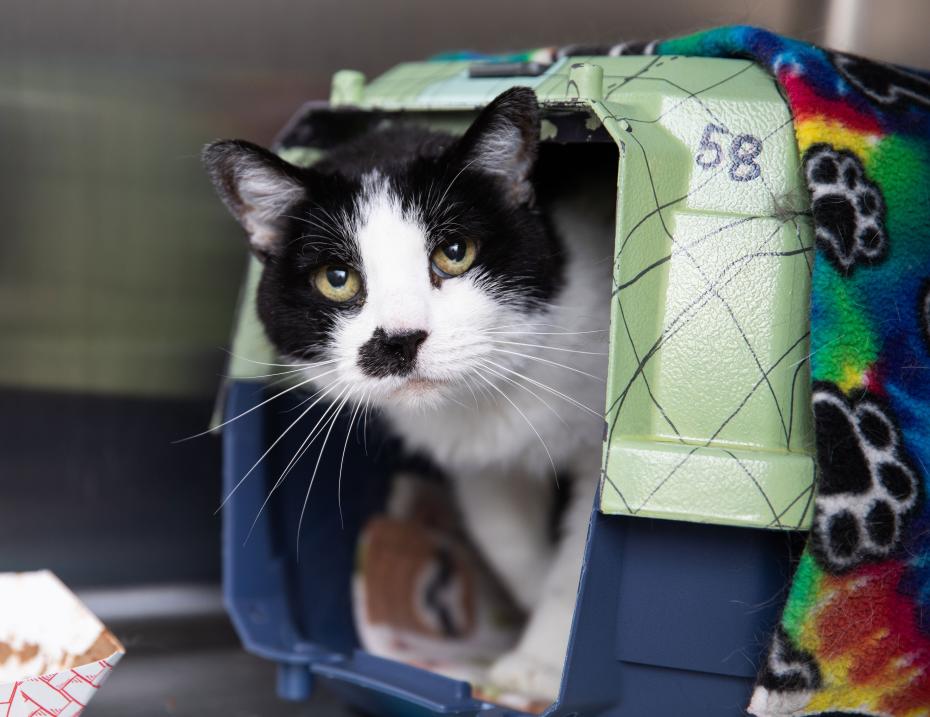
{"type": "Point", "coordinates": [405, 345]}
{"type": "Point", "coordinates": [384, 354]}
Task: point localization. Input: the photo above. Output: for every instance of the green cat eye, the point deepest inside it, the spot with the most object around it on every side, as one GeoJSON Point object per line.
{"type": "Point", "coordinates": [337, 282]}
{"type": "Point", "coordinates": [454, 257]}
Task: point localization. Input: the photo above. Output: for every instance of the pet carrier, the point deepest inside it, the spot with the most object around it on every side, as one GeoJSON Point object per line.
{"type": "Point", "coordinates": [707, 468]}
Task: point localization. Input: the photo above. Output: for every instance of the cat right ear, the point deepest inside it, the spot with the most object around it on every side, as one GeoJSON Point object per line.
{"type": "Point", "coordinates": [503, 142]}
{"type": "Point", "coordinates": [258, 187]}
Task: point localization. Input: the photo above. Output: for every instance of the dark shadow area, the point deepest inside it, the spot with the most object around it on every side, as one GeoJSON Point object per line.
{"type": "Point", "coordinates": [94, 490]}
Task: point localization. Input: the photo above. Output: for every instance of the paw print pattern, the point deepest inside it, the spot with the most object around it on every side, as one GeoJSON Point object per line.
{"type": "Point", "coordinates": [789, 668]}
{"type": "Point", "coordinates": [867, 489]}
{"type": "Point", "coordinates": [848, 209]}
{"type": "Point", "coordinates": [890, 86]}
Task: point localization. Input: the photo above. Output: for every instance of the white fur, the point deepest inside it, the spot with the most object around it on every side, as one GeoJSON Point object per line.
{"type": "Point", "coordinates": [266, 194]}
{"type": "Point", "coordinates": [502, 152]}
{"type": "Point", "coordinates": [484, 436]}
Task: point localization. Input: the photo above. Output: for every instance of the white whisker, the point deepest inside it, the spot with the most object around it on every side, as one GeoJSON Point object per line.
{"type": "Point", "coordinates": [551, 348]}
{"type": "Point", "coordinates": [342, 461]}
{"type": "Point", "coordinates": [543, 386]}
{"type": "Point", "coordinates": [284, 365]}
{"type": "Point", "coordinates": [484, 389]}
{"type": "Point", "coordinates": [467, 381]}
{"type": "Point", "coordinates": [365, 427]}
{"type": "Point", "coordinates": [443, 197]}
{"type": "Point", "coordinates": [528, 422]}
{"type": "Point", "coordinates": [528, 323]}
{"type": "Point", "coordinates": [547, 333]}
{"type": "Point", "coordinates": [295, 459]}
{"type": "Point", "coordinates": [316, 468]}
{"type": "Point", "coordinates": [279, 381]}
{"type": "Point", "coordinates": [311, 436]}
{"type": "Point", "coordinates": [255, 407]}
{"type": "Point", "coordinates": [527, 389]}
{"type": "Point", "coordinates": [271, 447]}
{"type": "Point", "coordinates": [290, 372]}
{"type": "Point", "coordinates": [551, 363]}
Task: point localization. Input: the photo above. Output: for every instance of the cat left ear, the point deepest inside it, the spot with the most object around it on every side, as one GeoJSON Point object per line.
{"type": "Point", "coordinates": [257, 187]}
{"type": "Point", "coordinates": [504, 140]}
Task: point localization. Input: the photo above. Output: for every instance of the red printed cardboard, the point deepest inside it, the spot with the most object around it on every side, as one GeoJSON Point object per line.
{"type": "Point", "coordinates": [54, 653]}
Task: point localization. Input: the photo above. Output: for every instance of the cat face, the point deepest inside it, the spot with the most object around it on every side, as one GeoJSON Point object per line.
{"type": "Point", "coordinates": [391, 263]}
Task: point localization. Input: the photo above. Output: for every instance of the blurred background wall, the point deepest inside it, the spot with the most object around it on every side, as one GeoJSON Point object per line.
{"type": "Point", "coordinates": [119, 268]}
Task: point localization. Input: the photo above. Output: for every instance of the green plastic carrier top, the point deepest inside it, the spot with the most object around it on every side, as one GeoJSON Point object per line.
{"type": "Point", "coordinates": [708, 392]}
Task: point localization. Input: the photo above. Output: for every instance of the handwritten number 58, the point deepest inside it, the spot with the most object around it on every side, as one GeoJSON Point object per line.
{"type": "Point", "coordinates": [743, 152]}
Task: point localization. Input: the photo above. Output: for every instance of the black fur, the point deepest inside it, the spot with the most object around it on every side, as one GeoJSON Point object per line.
{"type": "Point", "coordinates": [519, 257]}
{"type": "Point", "coordinates": [395, 354]}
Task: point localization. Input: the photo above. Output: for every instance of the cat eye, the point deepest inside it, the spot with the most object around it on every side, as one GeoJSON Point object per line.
{"type": "Point", "coordinates": [454, 257]}
{"type": "Point", "coordinates": [337, 283]}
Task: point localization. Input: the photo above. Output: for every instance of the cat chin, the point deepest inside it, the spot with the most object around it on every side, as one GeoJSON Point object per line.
{"type": "Point", "coordinates": [419, 393]}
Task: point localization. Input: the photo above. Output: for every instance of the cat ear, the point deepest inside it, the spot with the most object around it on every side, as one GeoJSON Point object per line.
{"type": "Point", "coordinates": [258, 187]}
{"type": "Point", "coordinates": [503, 141]}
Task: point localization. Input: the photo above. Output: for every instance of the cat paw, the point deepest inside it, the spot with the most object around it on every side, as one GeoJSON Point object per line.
{"type": "Point", "coordinates": [527, 675]}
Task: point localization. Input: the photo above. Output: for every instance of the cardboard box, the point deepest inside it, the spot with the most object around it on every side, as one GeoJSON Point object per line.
{"type": "Point", "coordinates": [54, 653]}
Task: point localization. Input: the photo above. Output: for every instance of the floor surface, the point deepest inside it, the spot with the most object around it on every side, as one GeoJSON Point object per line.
{"type": "Point", "coordinates": [195, 668]}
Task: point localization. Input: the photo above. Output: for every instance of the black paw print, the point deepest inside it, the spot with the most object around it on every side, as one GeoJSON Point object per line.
{"type": "Point", "coordinates": [789, 668]}
{"type": "Point", "coordinates": [848, 209]}
{"type": "Point", "coordinates": [891, 86]}
{"type": "Point", "coordinates": [867, 486]}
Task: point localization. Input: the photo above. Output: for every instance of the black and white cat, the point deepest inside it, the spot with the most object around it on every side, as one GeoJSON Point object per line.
{"type": "Point", "coordinates": [423, 274]}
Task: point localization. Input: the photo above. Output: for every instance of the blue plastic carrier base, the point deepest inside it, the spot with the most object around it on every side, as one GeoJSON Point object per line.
{"type": "Point", "coordinates": [671, 617]}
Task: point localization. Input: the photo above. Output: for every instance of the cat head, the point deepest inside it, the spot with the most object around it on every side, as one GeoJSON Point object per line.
{"type": "Point", "coordinates": [389, 264]}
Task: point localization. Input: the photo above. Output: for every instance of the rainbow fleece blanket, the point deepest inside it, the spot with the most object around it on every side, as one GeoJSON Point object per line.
{"type": "Point", "coordinates": [855, 634]}
{"type": "Point", "coordinates": [854, 638]}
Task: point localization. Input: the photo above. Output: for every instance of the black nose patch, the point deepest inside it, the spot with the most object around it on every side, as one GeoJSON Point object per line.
{"type": "Point", "coordinates": [390, 354]}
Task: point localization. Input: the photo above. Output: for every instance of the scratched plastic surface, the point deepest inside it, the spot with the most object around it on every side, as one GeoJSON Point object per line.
{"type": "Point", "coordinates": [708, 391]}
